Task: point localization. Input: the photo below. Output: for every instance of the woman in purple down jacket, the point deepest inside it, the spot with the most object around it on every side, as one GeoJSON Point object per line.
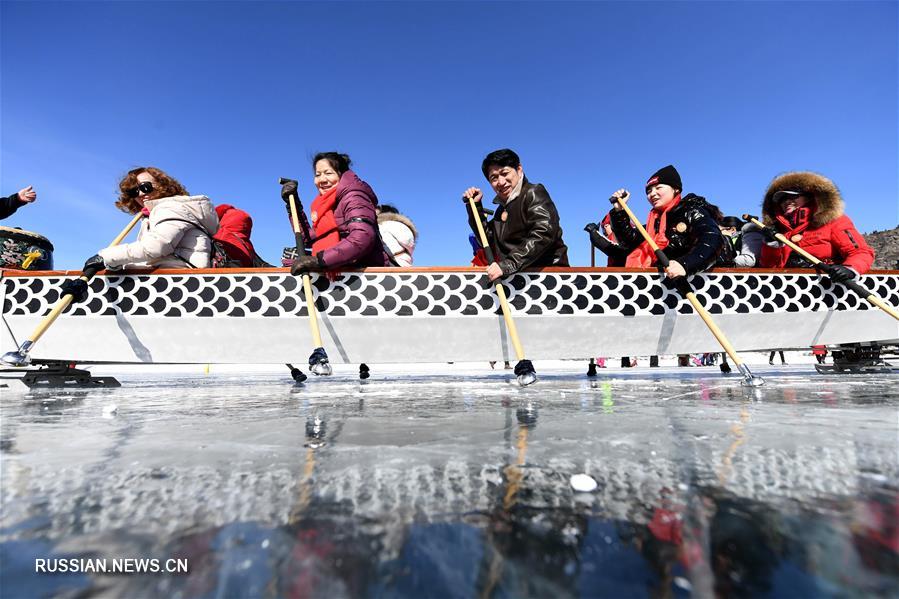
{"type": "Point", "coordinates": [344, 222]}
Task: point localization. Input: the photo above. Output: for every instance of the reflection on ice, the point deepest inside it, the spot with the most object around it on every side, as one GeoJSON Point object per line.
{"type": "Point", "coordinates": [421, 486]}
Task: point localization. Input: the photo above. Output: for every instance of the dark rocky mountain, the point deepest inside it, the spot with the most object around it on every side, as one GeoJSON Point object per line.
{"type": "Point", "coordinates": [886, 248]}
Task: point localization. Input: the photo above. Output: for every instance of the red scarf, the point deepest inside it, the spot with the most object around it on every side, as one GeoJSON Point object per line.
{"type": "Point", "coordinates": [643, 256]}
{"type": "Point", "coordinates": [792, 227]}
{"type": "Point", "coordinates": [324, 222]}
{"type": "Point", "coordinates": [796, 223]}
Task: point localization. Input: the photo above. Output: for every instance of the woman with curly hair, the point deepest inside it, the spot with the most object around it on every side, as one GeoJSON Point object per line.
{"type": "Point", "coordinates": [177, 231]}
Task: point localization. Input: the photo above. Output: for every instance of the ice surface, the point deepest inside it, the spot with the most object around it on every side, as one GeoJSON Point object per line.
{"type": "Point", "coordinates": [411, 482]}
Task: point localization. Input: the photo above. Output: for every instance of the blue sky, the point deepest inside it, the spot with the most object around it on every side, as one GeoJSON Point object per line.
{"type": "Point", "coordinates": [228, 96]}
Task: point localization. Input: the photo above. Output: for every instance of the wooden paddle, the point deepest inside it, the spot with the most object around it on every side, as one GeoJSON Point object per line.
{"type": "Point", "coordinates": [21, 356]}
{"type": "Point", "coordinates": [854, 286]}
{"type": "Point", "coordinates": [683, 286]}
{"type": "Point", "coordinates": [318, 360]}
{"type": "Point", "coordinates": [524, 370]}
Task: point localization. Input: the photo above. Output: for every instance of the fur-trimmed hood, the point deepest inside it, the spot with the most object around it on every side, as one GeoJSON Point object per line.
{"type": "Point", "coordinates": [389, 216]}
{"type": "Point", "coordinates": [828, 201]}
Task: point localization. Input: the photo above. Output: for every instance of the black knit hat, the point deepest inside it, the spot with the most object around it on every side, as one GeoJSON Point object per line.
{"type": "Point", "coordinates": [667, 175]}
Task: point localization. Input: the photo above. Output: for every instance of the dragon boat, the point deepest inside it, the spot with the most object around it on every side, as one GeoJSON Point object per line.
{"type": "Point", "coordinates": [434, 314]}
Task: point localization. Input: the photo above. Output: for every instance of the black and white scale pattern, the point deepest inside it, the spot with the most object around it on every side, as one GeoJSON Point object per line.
{"type": "Point", "coordinates": [439, 294]}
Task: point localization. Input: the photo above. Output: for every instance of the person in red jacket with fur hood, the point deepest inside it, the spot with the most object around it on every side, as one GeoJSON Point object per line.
{"type": "Point", "coordinates": [808, 210]}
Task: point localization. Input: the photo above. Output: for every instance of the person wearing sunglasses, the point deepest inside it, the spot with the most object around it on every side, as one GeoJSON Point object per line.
{"type": "Point", "coordinates": [177, 231]}
{"type": "Point", "coordinates": [808, 209]}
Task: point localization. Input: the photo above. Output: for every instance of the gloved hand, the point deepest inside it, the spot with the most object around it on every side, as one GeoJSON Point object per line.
{"type": "Point", "coordinates": [93, 265]}
{"type": "Point", "coordinates": [769, 232]}
{"type": "Point", "coordinates": [596, 238]}
{"type": "Point", "coordinates": [76, 288]}
{"type": "Point", "coordinates": [288, 189]}
{"type": "Point", "coordinates": [304, 264]}
{"type": "Point", "coordinates": [837, 272]}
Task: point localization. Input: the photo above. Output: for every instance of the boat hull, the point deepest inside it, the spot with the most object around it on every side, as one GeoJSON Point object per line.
{"type": "Point", "coordinates": [258, 316]}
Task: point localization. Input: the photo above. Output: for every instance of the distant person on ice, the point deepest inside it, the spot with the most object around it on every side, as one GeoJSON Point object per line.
{"type": "Point", "coordinates": [685, 228]}
{"type": "Point", "coordinates": [344, 222]}
{"type": "Point", "coordinates": [525, 229]}
{"type": "Point", "coordinates": [177, 229]}
{"type": "Point", "coordinates": [9, 205]}
{"type": "Point", "coordinates": [808, 210]}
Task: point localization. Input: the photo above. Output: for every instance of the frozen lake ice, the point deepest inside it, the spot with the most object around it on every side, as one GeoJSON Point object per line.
{"type": "Point", "coordinates": [414, 485]}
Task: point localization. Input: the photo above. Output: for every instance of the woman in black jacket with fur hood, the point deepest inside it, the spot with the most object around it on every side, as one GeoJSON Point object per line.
{"type": "Point", "coordinates": [685, 228]}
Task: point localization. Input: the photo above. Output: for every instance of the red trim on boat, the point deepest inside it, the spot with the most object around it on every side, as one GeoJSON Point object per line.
{"type": "Point", "coordinates": [417, 269]}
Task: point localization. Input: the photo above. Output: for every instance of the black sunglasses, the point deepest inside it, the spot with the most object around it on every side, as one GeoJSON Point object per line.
{"type": "Point", "coordinates": [145, 187]}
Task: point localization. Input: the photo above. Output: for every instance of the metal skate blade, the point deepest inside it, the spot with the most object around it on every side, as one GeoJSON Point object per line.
{"type": "Point", "coordinates": [16, 359]}
{"type": "Point", "coordinates": [528, 378]}
{"type": "Point", "coordinates": [321, 369]}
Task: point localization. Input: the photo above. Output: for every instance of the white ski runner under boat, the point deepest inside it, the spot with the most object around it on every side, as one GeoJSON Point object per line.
{"type": "Point", "coordinates": [397, 315]}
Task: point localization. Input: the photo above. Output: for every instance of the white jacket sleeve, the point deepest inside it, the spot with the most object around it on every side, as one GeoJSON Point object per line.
{"type": "Point", "coordinates": [751, 247]}
{"type": "Point", "coordinates": [158, 240]}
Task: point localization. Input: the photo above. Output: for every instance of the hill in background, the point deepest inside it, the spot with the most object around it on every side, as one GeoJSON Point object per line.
{"type": "Point", "coordinates": [886, 248]}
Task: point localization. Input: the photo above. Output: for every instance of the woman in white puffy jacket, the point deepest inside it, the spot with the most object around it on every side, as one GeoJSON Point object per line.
{"type": "Point", "coordinates": [398, 234]}
{"type": "Point", "coordinates": [177, 231]}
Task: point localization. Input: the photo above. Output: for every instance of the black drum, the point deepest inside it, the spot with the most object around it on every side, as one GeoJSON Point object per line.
{"type": "Point", "coordinates": [24, 250]}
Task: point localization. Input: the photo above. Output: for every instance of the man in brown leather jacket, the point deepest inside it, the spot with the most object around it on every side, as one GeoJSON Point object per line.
{"type": "Point", "coordinates": [524, 231]}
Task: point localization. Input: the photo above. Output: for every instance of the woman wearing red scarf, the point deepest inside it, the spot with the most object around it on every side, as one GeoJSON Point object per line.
{"type": "Point", "coordinates": [808, 209]}
{"type": "Point", "coordinates": [685, 228]}
{"type": "Point", "coordinates": [345, 226]}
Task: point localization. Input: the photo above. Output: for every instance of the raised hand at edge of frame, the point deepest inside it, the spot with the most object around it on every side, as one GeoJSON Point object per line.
{"type": "Point", "coordinates": [27, 194]}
